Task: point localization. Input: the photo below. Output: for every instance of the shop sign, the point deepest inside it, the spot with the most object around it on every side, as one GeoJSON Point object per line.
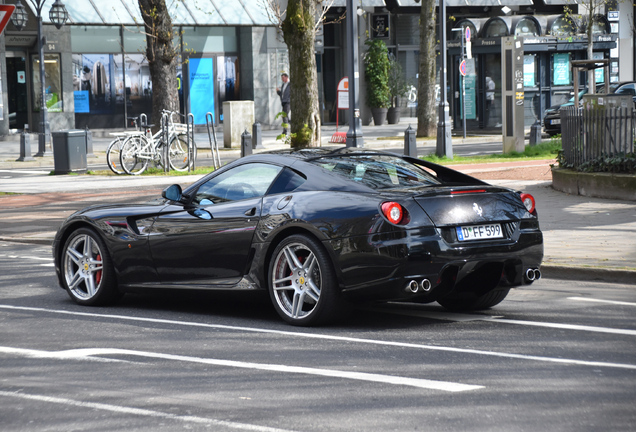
{"type": "Point", "coordinates": [21, 77]}
{"type": "Point", "coordinates": [561, 72]}
{"type": "Point", "coordinates": [612, 15]}
{"type": "Point", "coordinates": [20, 40]}
{"type": "Point", "coordinates": [528, 71]}
{"type": "Point", "coordinates": [201, 87]}
{"type": "Point", "coordinates": [380, 26]}
{"type": "Point", "coordinates": [471, 106]}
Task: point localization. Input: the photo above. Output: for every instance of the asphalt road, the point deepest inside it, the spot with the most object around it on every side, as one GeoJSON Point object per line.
{"type": "Point", "coordinates": [553, 356]}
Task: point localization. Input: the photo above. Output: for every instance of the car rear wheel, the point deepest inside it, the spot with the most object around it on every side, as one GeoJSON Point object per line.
{"type": "Point", "coordinates": [87, 269]}
{"type": "Point", "coordinates": [302, 282]}
{"type": "Point", "coordinates": [485, 301]}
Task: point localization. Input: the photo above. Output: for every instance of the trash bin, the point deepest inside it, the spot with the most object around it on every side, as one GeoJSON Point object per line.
{"type": "Point", "coordinates": [69, 151]}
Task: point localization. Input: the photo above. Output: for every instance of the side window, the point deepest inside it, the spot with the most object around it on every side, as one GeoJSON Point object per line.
{"type": "Point", "coordinates": [629, 89]}
{"type": "Point", "coordinates": [287, 181]}
{"type": "Point", "coordinates": [244, 181]}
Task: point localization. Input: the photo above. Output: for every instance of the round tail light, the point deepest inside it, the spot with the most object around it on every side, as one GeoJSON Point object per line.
{"type": "Point", "coordinates": [393, 211]}
{"type": "Point", "coordinates": [528, 201]}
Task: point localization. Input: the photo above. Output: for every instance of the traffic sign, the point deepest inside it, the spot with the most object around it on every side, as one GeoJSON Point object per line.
{"type": "Point", "coordinates": [467, 34]}
{"type": "Point", "coordinates": [5, 14]}
{"type": "Point", "coordinates": [462, 68]}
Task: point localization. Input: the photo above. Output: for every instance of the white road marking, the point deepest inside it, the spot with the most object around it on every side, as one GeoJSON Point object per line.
{"type": "Point", "coordinates": [332, 373]}
{"type": "Point", "coordinates": [141, 412]}
{"type": "Point", "coordinates": [602, 301]}
{"type": "Point", "coordinates": [25, 172]}
{"type": "Point", "coordinates": [329, 337]}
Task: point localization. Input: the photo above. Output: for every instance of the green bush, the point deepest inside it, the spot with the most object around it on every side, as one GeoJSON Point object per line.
{"type": "Point", "coordinates": [376, 73]}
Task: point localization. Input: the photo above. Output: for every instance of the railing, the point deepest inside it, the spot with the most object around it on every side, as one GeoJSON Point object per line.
{"type": "Point", "coordinates": [600, 132]}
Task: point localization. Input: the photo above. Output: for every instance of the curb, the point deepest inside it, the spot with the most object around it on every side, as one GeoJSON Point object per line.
{"type": "Point", "coordinates": [595, 274]}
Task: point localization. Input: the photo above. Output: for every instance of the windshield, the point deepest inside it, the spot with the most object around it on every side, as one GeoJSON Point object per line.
{"type": "Point", "coordinates": [377, 171]}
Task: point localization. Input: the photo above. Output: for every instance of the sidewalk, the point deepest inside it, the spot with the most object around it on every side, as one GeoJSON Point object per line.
{"type": "Point", "coordinates": [585, 238]}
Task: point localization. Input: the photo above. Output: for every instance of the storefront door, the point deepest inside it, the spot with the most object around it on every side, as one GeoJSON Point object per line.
{"type": "Point", "coordinates": [18, 109]}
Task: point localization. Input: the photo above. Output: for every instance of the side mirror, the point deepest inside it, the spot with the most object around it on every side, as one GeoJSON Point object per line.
{"type": "Point", "coordinates": [172, 193]}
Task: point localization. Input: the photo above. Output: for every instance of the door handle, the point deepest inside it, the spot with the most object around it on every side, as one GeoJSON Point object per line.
{"type": "Point", "coordinates": [251, 212]}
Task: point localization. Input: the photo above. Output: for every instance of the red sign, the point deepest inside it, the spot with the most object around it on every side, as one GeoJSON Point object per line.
{"type": "Point", "coordinates": [5, 14]}
{"type": "Point", "coordinates": [462, 68]}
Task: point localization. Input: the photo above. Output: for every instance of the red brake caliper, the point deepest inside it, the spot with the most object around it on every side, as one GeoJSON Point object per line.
{"type": "Point", "coordinates": [98, 275]}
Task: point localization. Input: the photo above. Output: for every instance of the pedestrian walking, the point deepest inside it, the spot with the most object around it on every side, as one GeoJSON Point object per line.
{"type": "Point", "coordinates": [285, 98]}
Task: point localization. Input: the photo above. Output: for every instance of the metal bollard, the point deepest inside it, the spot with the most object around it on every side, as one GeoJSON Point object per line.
{"type": "Point", "coordinates": [246, 144]}
{"type": "Point", "coordinates": [410, 145]}
{"type": "Point", "coordinates": [257, 136]}
{"type": "Point", "coordinates": [25, 147]}
{"type": "Point", "coordinates": [535, 133]}
{"type": "Point", "coordinates": [89, 143]}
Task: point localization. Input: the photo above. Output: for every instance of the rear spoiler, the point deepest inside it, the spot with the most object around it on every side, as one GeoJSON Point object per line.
{"type": "Point", "coordinates": [447, 175]}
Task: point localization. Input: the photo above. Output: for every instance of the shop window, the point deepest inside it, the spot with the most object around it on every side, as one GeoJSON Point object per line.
{"type": "Point", "coordinates": [408, 29]}
{"type": "Point", "coordinates": [563, 26]}
{"type": "Point", "coordinates": [138, 86]}
{"type": "Point", "coordinates": [210, 39]}
{"type": "Point", "coordinates": [527, 27]}
{"type": "Point", "coordinates": [599, 27]}
{"type": "Point", "coordinates": [95, 39]}
{"type": "Point", "coordinates": [53, 83]}
{"type": "Point", "coordinates": [561, 71]}
{"type": "Point", "coordinates": [496, 28]}
{"type": "Point", "coordinates": [98, 83]}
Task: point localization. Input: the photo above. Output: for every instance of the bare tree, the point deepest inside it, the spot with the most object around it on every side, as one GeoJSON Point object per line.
{"type": "Point", "coordinates": [162, 57]}
{"type": "Point", "coordinates": [298, 23]}
{"type": "Point", "coordinates": [426, 110]}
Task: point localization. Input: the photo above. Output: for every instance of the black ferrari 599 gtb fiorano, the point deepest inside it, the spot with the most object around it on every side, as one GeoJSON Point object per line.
{"type": "Point", "coordinates": [318, 229]}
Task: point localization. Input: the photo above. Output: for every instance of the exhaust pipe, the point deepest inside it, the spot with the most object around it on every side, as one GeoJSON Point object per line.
{"type": "Point", "coordinates": [530, 274]}
{"type": "Point", "coordinates": [413, 286]}
{"type": "Point", "coordinates": [425, 285]}
{"type": "Point", "coordinates": [537, 274]}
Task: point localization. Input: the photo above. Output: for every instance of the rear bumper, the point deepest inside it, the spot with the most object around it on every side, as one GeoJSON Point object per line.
{"type": "Point", "coordinates": [375, 268]}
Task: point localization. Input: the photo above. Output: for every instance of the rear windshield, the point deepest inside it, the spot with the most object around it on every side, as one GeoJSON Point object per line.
{"type": "Point", "coordinates": [378, 171]}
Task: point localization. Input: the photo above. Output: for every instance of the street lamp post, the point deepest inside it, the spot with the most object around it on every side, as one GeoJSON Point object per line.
{"type": "Point", "coordinates": [58, 16]}
{"type": "Point", "coordinates": [444, 140]}
{"type": "Point", "coordinates": [354, 134]}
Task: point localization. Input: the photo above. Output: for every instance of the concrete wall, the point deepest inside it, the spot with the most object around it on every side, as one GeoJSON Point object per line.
{"type": "Point", "coordinates": [601, 185]}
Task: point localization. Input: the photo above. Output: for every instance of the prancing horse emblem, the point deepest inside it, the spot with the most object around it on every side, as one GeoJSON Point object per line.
{"type": "Point", "coordinates": [477, 209]}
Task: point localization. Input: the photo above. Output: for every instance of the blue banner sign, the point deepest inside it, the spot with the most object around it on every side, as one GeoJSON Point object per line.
{"type": "Point", "coordinates": [201, 88]}
{"type": "Point", "coordinates": [81, 101]}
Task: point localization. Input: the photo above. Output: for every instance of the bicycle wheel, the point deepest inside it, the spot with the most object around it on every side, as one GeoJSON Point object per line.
{"type": "Point", "coordinates": [179, 158]}
{"type": "Point", "coordinates": [135, 154]}
{"type": "Point", "coordinates": [112, 156]}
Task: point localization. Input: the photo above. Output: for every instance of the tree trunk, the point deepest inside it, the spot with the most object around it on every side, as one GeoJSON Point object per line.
{"type": "Point", "coordinates": [426, 109]}
{"type": "Point", "coordinates": [162, 58]}
{"type": "Point", "coordinates": [299, 35]}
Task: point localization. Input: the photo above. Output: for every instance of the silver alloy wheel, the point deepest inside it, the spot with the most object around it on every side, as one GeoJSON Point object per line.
{"type": "Point", "coordinates": [296, 280]}
{"type": "Point", "coordinates": [83, 267]}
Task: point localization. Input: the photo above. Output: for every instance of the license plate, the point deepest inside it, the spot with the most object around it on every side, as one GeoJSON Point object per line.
{"type": "Point", "coordinates": [479, 232]}
{"type": "Point", "coordinates": [557, 121]}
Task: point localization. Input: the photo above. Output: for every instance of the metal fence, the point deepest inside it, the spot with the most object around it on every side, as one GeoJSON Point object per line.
{"type": "Point", "coordinates": [599, 132]}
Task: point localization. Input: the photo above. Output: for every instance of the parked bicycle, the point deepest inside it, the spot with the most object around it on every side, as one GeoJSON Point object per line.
{"type": "Point", "coordinates": [142, 147]}
{"type": "Point", "coordinates": [114, 148]}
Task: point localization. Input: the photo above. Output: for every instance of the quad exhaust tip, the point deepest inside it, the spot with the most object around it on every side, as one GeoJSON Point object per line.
{"type": "Point", "coordinates": [413, 286]}
{"type": "Point", "coordinates": [425, 285]}
{"type": "Point", "coordinates": [533, 274]}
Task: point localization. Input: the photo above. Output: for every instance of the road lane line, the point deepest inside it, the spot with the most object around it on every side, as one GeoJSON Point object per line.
{"type": "Point", "coordinates": [602, 301]}
{"type": "Point", "coordinates": [141, 412]}
{"type": "Point", "coordinates": [448, 316]}
{"type": "Point", "coordinates": [328, 337]}
{"type": "Point", "coordinates": [331, 373]}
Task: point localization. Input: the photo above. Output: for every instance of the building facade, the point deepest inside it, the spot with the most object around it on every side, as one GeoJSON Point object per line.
{"type": "Point", "coordinates": [96, 74]}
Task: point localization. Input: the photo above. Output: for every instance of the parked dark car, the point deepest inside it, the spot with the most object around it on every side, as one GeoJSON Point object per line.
{"type": "Point", "coordinates": [552, 116]}
{"type": "Point", "coordinates": [317, 228]}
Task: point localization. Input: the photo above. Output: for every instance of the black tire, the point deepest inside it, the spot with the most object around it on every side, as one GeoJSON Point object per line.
{"type": "Point", "coordinates": [113, 158]}
{"type": "Point", "coordinates": [486, 301]}
{"type": "Point", "coordinates": [313, 283]}
{"type": "Point", "coordinates": [85, 282]}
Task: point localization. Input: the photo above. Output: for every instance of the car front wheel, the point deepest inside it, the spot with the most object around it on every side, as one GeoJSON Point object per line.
{"type": "Point", "coordinates": [87, 269]}
{"type": "Point", "coordinates": [302, 282]}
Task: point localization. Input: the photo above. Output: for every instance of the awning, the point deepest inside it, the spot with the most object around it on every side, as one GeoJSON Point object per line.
{"type": "Point", "coordinates": [183, 12]}
{"type": "Point", "coordinates": [450, 3]}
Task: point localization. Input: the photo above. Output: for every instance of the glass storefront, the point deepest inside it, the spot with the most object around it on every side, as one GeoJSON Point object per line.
{"type": "Point", "coordinates": [53, 90]}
